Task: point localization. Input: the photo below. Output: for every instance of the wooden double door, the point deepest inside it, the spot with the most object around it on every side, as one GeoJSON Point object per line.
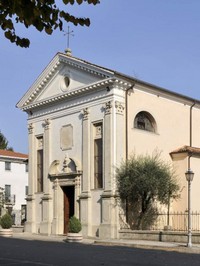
{"type": "Point", "coordinates": [68, 205]}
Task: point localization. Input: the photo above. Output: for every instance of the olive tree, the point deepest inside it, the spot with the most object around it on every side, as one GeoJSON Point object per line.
{"type": "Point", "coordinates": [44, 15]}
{"type": "Point", "coordinates": [143, 183]}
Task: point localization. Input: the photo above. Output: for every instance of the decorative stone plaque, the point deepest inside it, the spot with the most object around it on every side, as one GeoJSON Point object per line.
{"type": "Point", "coordinates": [66, 137]}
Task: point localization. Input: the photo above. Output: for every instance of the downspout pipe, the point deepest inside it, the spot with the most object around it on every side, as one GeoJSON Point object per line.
{"type": "Point", "coordinates": [126, 135]}
{"type": "Point", "coordinates": [190, 155]}
{"type": "Point", "coordinates": [126, 126]}
{"type": "Point", "coordinates": [191, 123]}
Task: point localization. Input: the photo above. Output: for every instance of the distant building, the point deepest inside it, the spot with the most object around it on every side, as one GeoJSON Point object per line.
{"type": "Point", "coordinates": [83, 119]}
{"type": "Point", "coordinates": [14, 184]}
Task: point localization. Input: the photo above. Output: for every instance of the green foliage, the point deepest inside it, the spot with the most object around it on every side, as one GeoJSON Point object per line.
{"type": "Point", "coordinates": [4, 143]}
{"type": "Point", "coordinates": [43, 15]}
{"type": "Point", "coordinates": [74, 225]}
{"type": "Point", "coordinates": [2, 198]}
{"type": "Point", "coordinates": [6, 221]}
{"type": "Point", "coordinates": [142, 182]}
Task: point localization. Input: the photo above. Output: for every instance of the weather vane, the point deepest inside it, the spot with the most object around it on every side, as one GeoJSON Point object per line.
{"type": "Point", "coordinates": [68, 33]}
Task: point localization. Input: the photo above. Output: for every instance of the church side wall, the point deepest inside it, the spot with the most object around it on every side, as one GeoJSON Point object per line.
{"type": "Point", "coordinates": [172, 132]}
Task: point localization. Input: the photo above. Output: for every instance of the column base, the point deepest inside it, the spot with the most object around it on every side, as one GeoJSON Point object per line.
{"type": "Point", "coordinates": [45, 228]}
{"type": "Point", "coordinates": [108, 231]}
{"type": "Point", "coordinates": [30, 227]}
{"type": "Point", "coordinates": [85, 213]}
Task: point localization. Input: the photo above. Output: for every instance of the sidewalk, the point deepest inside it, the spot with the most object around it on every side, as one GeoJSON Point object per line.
{"type": "Point", "coordinates": [168, 246]}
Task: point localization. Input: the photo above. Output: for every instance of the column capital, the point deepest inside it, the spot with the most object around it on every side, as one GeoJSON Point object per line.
{"type": "Point", "coordinates": [108, 107]}
{"type": "Point", "coordinates": [85, 112]}
{"type": "Point", "coordinates": [46, 123]}
{"type": "Point", "coordinates": [30, 128]}
{"type": "Point", "coordinates": [119, 108]}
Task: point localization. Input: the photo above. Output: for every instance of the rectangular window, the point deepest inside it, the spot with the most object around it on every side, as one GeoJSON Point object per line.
{"type": "Point", "coordinates": [40, 165]}
{"type": "Point", "coordinates": [98, 156]}
{"type": "Point", "coordinates": [26, 190]}
{"type": "Point", "coordinates": [98, 163]}
{"type": "Point", "coordinates": [7, 193]}
{"type": "Point", "coordinates": [26, 167]}
{"type": "Point", "coordinates": [7, 166]}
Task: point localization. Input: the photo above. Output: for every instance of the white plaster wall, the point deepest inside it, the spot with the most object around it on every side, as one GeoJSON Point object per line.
{"type": "Point", "coordinates": [17, 177]}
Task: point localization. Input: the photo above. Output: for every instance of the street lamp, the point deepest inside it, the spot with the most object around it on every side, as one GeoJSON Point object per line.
{"type": "Point", "coordinates": [189, 177]}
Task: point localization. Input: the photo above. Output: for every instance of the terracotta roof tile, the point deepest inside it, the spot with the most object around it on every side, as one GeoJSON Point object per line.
{"type": "Point", "coordinates": [188, 149]}
{"type": "Point", "coordinates": [13, 154]}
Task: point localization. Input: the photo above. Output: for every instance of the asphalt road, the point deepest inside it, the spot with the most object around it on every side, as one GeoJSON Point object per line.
{"type": "Point", "coordinates": [26, 252]}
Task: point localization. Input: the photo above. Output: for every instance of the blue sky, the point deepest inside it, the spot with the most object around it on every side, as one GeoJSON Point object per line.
{"type": "Point", "coordinates": [157, 41]}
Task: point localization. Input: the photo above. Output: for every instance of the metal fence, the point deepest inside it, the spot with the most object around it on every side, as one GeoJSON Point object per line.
{"type": "Point", "coordinates": [177, 221]}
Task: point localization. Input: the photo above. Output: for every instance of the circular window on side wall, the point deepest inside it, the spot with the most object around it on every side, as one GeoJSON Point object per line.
{"type": "Point", "coordinates": [145, 121]}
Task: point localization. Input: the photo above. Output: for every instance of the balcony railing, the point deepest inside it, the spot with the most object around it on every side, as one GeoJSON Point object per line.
{"type": "Point", "coordinates": [10, 200]}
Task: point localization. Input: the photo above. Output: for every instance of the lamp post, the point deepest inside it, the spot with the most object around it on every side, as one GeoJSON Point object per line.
{"type": "Point", "coordinates": [189, 177]}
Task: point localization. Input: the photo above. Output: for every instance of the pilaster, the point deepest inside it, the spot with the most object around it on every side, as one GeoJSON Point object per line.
{"type": "Point", "coordinates": [120, 136]}
{"type": "Point", "coordinates": [30, 225]}
{"type": "Point", "coordinates": [47, 212]}
{"type": "Point", "coordinates": [55, 225]}
{"type": "Point", "coordinates": [108, 227]}
{"type": "Point", "coordinates": [85, 196]}
{"type": "Point", "coordinates": [108, 146]}
{"type": "Point", "coordinates": [114, 148]}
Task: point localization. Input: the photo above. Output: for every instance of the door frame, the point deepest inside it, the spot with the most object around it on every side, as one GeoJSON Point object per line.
{"type": "Point", "coordinates": [68, 205]}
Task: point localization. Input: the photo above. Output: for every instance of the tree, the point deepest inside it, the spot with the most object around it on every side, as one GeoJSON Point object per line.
{"type": "Point", "coordinates": [4, 143]}
{"type": "Point", "coordinates": [143, 182]}
{"type": "Point", "coordinates": [44, 15]}
{"type": "Point", "coordinates": [2, 199]}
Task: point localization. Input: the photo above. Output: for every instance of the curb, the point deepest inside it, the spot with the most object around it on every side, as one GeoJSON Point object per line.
{"type": "Point", "coordinates": [181, 249]}
{"type": "Point", "coordinates": [164, 246]}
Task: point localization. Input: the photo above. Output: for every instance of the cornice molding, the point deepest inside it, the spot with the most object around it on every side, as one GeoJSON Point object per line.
{"type": "Point", "coordinates": [51, 70]}
{"type": "Point", "coordinates": [40, 82]}
{"type": "Point", "coordinates": [80, 65]}
{"type": "Point", "coordinates": [115, 83]}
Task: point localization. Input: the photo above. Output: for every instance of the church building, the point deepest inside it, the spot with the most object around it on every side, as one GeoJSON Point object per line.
{"type": "Point", "coordinates": [83, 120]}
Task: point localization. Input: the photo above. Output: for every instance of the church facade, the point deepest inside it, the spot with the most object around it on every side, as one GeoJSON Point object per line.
{"type": "Point", "coordinates": [83, 120]}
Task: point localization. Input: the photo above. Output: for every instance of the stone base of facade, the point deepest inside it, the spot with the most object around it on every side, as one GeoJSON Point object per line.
{"type": "Point", "coordinates": [45, 228]}
{"type": "Point", "coordinates": [108, 231]}
{"type": "Point", "coordinates": [30, 227]}
{"type": "Point", "coordinates": [54, 227]}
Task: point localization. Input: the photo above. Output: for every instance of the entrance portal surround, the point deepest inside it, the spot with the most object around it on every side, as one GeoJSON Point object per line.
{"type": "Point", "coordinates": [69, 176]}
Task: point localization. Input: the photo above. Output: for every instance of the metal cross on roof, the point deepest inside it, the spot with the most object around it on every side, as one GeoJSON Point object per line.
{"type": "Point", "coordinates": [68, 33]}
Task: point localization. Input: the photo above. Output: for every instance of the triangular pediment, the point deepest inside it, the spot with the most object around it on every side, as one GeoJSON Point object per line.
{"type": "Point", "coordinates": [64, 75]}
